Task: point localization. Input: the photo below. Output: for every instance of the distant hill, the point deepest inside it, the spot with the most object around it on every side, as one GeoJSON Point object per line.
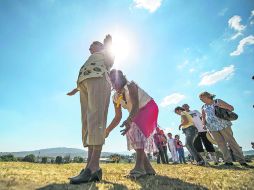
{"type": "Point", "coordinates": [249, 152]}
{"type": "Point", "coordinates": [53, 152]}
{"type": "Point", "coordinates": [63, 151]}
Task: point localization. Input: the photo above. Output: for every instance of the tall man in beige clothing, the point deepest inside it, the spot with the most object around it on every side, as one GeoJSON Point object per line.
{"type": "Point", "coordinates": [94, 86]}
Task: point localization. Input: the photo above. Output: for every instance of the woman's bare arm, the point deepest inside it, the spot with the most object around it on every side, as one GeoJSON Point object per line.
{"type": "Point", "coordinates": [73, 92]}
{"type": "Point", "coordinates": [225, 105]}
{"type": "Point", "coordinates": [203, 119]}
{"type": "Point", "coordinates": [133, 91]}
{"type": "Point", "coordinates": [108, 56]}
{"type": "Point", "coordinates": [116, 120]}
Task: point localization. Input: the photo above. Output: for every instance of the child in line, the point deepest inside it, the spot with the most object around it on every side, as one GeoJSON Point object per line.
{"type": "Point", "coordinates": [159, 140]}
{"type": "Point", "coordinates": [172, 148]}
{"type": "Point", "coordinates": [179, 149]}
{"type": "Point", "coordinates": [164, 145]}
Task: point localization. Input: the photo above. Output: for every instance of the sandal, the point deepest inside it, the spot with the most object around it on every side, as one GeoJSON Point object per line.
{"type": "Point", "coordinates": [135, 174]}
{"type": "Point", "coordinates": [151, 173]}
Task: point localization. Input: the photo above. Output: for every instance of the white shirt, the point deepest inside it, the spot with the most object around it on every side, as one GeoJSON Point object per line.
{"type": "Point", "coordinates": [196, 115]}
{"type": "Point", "coordinates": [143, 98]}
{"type": "Point", "coordinates": [171, 142]}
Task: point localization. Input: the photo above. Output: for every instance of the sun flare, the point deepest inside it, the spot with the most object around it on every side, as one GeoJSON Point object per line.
{"type": "Point", "coordinates": [121, 47]}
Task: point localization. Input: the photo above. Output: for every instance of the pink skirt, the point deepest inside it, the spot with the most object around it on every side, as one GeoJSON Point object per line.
{"type": "Point", "coordinates": [143, 127]}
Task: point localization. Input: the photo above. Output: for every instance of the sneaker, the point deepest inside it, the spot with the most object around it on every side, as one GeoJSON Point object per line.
{"type": "Point", "coordinates": [201, 163]}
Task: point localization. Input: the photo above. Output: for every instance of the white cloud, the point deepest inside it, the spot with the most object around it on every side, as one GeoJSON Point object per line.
{"type": "Point", "coordinates": [182, 65]}
{"type": "Point", "coordinates": [192, 70]}
{"type": "Point", "coordinates": [252, 14]}
{"type": "Point", "coordinates": [234, 22]}
{"type": "Point", "coordinates": [210, 78]}
{"type": "Point", "coordinates": [150, 5]}
{"type": "Point", "coordinates": [223, 11]}
{"type": "Point", "coordinates": [236, 35]}
{"type": "Point", "coordinates": [245, 41]}
{"type": "Point", "coordinates": [174, 98]}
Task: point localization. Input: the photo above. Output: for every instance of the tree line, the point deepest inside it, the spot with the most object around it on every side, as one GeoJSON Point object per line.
{"type": "Point", "coordinates": [32, 158]}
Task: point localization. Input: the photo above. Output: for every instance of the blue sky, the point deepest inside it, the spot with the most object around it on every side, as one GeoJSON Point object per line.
{"type": "Point", "coordinates": [174, 49]}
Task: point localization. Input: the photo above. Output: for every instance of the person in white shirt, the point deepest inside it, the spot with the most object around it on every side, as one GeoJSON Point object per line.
{"type": "Point", "coordinates": [201, 139]}
{"type": "Point", "coordinates": [172, 148]}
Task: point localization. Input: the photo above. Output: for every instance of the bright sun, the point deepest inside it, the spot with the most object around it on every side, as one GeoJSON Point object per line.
{"type": "Point", "coordinates": [121, 47]}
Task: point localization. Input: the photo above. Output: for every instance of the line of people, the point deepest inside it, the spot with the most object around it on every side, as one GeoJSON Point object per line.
{"type": "Point", "coordinates": [195, 126]}
{"type": "Point", "coordinates": [174, 145]}
{"type": "Point", "coordinates": [95, 82]}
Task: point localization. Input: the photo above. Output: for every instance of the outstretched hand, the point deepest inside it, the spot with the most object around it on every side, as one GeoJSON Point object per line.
{"type": "Point", "coordinates": [124, 131]}
{"type": "Point", "coordinates": [127, 124]}
{"type": "Point", "coordinates": [108, 40]}
{"type": "Point", "coordinates": [73, 92]}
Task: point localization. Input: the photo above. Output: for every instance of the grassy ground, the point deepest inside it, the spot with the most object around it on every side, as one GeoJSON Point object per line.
{"type": "Point", "coordinates": [18, 175]}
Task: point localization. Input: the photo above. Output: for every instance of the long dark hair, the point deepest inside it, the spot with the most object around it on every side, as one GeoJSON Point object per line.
{"type": "Point", "coordinates": [118, 79]}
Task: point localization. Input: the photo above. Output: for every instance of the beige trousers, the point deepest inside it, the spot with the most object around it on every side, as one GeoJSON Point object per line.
{"type": "Point", "coordinates": [94, 100]}
{"type": "Point", "coordinates": [223, 137]}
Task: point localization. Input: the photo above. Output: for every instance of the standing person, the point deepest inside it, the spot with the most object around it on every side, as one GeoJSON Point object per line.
{"type": "Point", "coordinates": [179, 149]}
{"type": "Point", "coordinates": [141, 123]}
{"type": "Point", "coordinates": [164, 146]}
{"type": "Point", "coordinates": [220, 128]}
{"type": "Point", "coordinates": [201, 138]}
{"type": "Point", "coordinates": [158, 142]}
{"type": "Point", "coordinates": [190, 132]}
{"type": "Point", "coordinates": [94, 87]}
{"type": "Point", "coordinates": [172, 148]}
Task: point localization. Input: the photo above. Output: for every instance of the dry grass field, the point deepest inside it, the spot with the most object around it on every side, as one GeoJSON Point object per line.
{"type": "Point", "coordinates": [19, 175]}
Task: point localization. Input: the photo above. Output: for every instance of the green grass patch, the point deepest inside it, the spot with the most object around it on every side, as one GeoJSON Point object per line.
{"type": "Point", "coordinates": [20, 175]}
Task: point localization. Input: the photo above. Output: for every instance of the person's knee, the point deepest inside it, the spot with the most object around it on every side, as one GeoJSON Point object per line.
{"type": "Point", "coordinates": [97, 147]}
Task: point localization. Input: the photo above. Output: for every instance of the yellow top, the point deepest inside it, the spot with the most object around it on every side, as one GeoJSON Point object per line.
{"type": "Point", "coordinates": [189, 118]}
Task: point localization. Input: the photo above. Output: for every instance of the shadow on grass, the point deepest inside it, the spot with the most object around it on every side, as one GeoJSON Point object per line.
{"type": "Point", "coordinates": [164, 183]}
{"type": "Point", "coordinates": [222, 167]}
{"type": "Point", "coordinates": [84, 186]}
{"type": "Point", "coordinates": [147, 183]}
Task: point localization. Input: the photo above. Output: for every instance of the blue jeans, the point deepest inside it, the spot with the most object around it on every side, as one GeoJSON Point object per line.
{"type": "Point", "coordinates": [181, 155]}
{"type": "Point", "coordinates": [191, 134]}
